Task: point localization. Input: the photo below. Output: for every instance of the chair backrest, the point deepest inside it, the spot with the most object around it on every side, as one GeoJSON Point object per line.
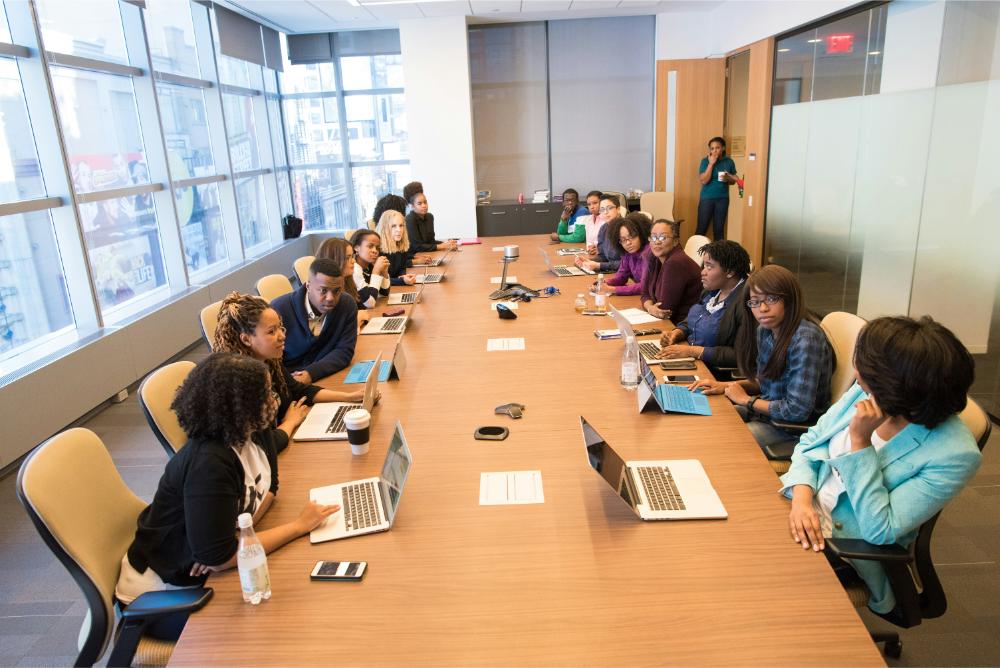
{"type": "Point", "coordinates": [209, 319]}
{"type": "Point", "coordinates": [842, 331]}
{"type": "Point", "coordinates": [694, 242]}
{"type": "Point", "coordinates": [301, 267]}
{"type": "Point", "coordinates": [86, 515]}
{"type": "Point", "coordinates": [273, 286]}
{"type": "Point", "coordinates": [620, 198]}
{"type": "Point", "coordinates": [156, 394]}
{"type": "Point", "coordinates": [978, 422]}
{"type": "Point", "coordinates": [372, 224]}
{"type": "Point", "coordinates": [350, 233]}
{"type": "Point", "coordinates": [659, 204]}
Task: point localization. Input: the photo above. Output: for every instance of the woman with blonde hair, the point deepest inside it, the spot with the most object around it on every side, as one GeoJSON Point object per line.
{"type": "Point", "coordinates": [396, 248]}
{"type": "Point", "coordinates": [249, 326]}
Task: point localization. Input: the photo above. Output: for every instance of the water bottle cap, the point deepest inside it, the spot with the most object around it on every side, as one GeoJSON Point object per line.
{"type": "Point", "coordinates": [245, 520]}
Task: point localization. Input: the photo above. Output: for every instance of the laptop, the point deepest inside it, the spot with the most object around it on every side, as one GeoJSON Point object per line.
{"type": "Point", "coordinates": [668, 398]}
{"type": "Point", "coordinates": [325, 421]}
{"type": "Point", "coordinates": [562, 269]}
{"type": "Point", "coordinates": [648, 350]}
{"type": "Point", "coordinates": [437, 261]}
{"type": "Point", "coordinates": [405, 297]}
{"type": "Point", "coordinates": [369, 505]}
{"type": "Point", "coordinates": [665, 489]}
{"type": "Point", "coordinates": [385, 325]}
{"type": "Point", "coordinates": [429, 278]}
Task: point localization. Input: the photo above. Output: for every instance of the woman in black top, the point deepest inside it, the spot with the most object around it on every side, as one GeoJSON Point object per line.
{"type": "Point", "coordinates": [371, 268]}
{"type": "Point", "coordinates": [249, 326]}
{"type": "Point", "coordinates": [397, 249]}
{"type": "Point", "coordinates": [225, 469]}
{"type": "Point", "coordinates": [420, 223]}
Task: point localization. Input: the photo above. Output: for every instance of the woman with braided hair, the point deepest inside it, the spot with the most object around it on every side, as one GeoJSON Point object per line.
{"type": "Point", "coordinates": [249, 326]}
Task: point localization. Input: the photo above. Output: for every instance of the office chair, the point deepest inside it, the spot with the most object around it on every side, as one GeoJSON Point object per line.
{"type": "Point", "coordinates": [659, 204]}
{"type": "Point", "coordinates": [694, 242]}
{"type": "Point", "coordinates": [208, 318]}
{"type": "Point", "coordinates": [301, 267]}
{"type": "Point", "coordinates": [915, 584]}
{"type": "Point", "coordinates": [841, 331]}
{"type": "Point", "coordinates": [620, 198]}
{"type": "Point", "coordinates": [87, 516]}
{"type": "Point", "coordinates": [272, 286]}
{"type": "Point", "coordinates": [156, 393]}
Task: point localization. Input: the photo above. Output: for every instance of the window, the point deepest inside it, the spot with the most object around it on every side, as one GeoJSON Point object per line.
{"type": "Point", "coordinates": [366, 72]}
{"type": "Point", "coordinates": [370, 183]}
{"type": "Point", "coordinates": [242, 132]}
{"type": "Point", "coordinates": [20, 175]}
{"type": "Point", "coordinates": [185, 131]}
{"type": "Point", "coordinates": [252, 211]}
{"type": "Point", "coordinates": [321, 197]}
{"type": "Point", "coordinates": [170, 32]}
{"type": "Point", "coordinates": [202, 231]}
{"type": "Point", "coordinates": [307, 78]}
{"type": "Point", "coordinates": [374, 135]}
{"type": "Point", "coordinates": [90, 29]}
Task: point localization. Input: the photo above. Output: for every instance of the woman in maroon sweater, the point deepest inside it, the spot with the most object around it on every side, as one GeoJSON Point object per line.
{"type": "Point", "coordinates": [672, 284]}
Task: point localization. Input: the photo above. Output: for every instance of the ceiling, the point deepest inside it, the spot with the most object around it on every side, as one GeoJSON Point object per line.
{"type": "Point", "coordinates": [305, 16]}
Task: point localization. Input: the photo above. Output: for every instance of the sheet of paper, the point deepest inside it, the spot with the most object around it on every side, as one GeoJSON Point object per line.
{"type": "Point", "coordinates": [636, 316]}
{"type": "Point", "coordinates": [496, 279]}
{"type": "Point", "coordinates": [494, 345]}
{"type": "Point", "coordinates": [570, 251]}
{"type": "Point", "coordinates": [510, 488]}
{"type": "Point", "coordinates": [511, 305]}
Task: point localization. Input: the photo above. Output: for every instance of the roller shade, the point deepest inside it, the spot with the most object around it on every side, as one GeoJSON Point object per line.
{"type": "Point", "coordinates": [243, 38]}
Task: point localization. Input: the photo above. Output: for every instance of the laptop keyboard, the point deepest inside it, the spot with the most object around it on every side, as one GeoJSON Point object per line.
{"type": "Point", "coordinates": [407, 297]}
{"type": "Point", "coordinates": [360, 507]}
{"type": "Point", "coordinates": [391, 324]}
{"type": "Point", "coordinates": [562, 271]}
{"type": "Point", "coordinates": [661, 490]}
{"type": "Point", "coordinates": [337, 423]}
{"type": "Point", "coordinates": [648, 349]}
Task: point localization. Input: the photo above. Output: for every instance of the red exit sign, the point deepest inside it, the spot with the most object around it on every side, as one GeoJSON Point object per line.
{"type": "Point", "coordinates": [843, 43]}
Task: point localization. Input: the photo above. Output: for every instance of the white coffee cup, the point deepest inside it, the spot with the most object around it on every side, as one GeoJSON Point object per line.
{"type": "Point", "coordinates": [357, 423]}
{"type": "Point", "coordinates": [722, 176]}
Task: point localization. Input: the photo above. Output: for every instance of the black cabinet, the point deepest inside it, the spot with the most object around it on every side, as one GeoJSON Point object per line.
{"type": "Point", "coordinates": [509, 218]}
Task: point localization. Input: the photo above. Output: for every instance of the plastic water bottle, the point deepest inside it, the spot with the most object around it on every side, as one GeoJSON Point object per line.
{"type": "Point", "coordinates": [580, 304]}
{"type": "Point", "coordinates": [252, 563]}
{"type": "Point", "coordinates": [600, 296]}
{"type": "Point", "coordinates": [630, 364]}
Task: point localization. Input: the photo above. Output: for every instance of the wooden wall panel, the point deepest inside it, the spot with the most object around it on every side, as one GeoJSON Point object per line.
{"type": "Point", "coordinates": [700, 99]}
{"type": "Point", "coordinates": [758, 135]}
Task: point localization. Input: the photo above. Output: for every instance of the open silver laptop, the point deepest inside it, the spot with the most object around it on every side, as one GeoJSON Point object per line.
{"type": "Point", "coordinates": [405, 297]}
{"type": "Point", "coordinates": [562, 269]}
{"type": "Point", "coordinates": [665, 489]}
{"type": "Point", "coordinates": [385, 325]}
{"type": "Point", "coordinates": [648, 349]}
{"type": "Point", "coordinates": [325, 421]}
{"type": "Point", "coordinates": [429, 278]}
{"type": "Point", "coordinates": [369, 505]}
{"type": "Point", "coordinates": [437, 261]}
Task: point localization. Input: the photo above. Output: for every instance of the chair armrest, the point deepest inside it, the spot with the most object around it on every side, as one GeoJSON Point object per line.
{"type": "Point", "coordinates": [780, 451]}
{"type": "Point", "coordinates": [797, 427]}
{"type": "Point", "coordinates": [856, 548]}
{"type": "Point", "coordinates": [155, 604]}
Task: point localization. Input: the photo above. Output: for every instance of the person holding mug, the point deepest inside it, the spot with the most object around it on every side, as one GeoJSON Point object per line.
{"type": "Point", "coordinates": [716, 173]}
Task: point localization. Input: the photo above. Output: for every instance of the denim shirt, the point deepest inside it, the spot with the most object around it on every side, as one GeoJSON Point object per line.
{"type": "Point", "coordinates": [803, 389]}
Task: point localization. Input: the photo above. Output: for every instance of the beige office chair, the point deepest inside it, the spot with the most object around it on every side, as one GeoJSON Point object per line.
{"type": "Point", "coordinates": [841, 331]}
{"type": "Point", "coordinates": [156, 394]}
{"type": "Point", "coordinates": [660, 204]}
{"type": "Point", "coordinates": [301, 267]}
{"type": "Point", "coordinates": [209, 320]}
{"type": "Point", "coordinates": [694, 242]}
{"type": "Point", "coordinates": [372, 224]}
{"type": "Point", "coordinates": [350, 233]}
{"type": "Point", "coordinates": [87, 516]}
{"type": "Point", "coordinates": [620, 198]}
{"type": "Point", "coordinates": [272, 286]}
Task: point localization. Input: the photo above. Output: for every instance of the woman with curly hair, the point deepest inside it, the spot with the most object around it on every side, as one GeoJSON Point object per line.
{"type": "Point", "coordinates": [249, 326]}
{"type": "Point", "coordinates": [225, 469]}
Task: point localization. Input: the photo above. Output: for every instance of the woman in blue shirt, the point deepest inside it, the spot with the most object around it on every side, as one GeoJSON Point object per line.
{"type": "Point", "coordinates": [784, 355]}
{"type": "Point", "coordinates": [716, 174]}
{"type": "Point", "coordinates": [709, 331]}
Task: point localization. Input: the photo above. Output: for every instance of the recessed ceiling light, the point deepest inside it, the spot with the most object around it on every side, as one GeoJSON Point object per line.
{"type": "Point", "coordinates": [783, 50]}
{"type": "Point", "coordinates": [874, 53]}
{"type": "Point", "coordinates": [813, 41]}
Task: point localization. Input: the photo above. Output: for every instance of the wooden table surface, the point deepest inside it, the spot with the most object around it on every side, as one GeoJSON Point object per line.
{"type": "Point", "coordinates": [578, 580]}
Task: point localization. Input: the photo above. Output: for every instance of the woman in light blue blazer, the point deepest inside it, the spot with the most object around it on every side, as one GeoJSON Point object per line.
{"type": "Point", "coordinates": [892, 451]}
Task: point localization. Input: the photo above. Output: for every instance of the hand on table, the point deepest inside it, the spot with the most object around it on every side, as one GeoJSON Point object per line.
{"type": "Point", "coordinates": [302, 376]}
{"type": "Point", "coordinates": [736, 394]}
{"type": "Point", "coordinates": [313, 515]}
{"type": "Point", "coordinates": [708, 386]}
{"type": "Point", "coordinates": [803, 520]}
{"type": "Point", "coordinates": [657, 312]}
{"type": "Point", "coordinates": [409, 279]}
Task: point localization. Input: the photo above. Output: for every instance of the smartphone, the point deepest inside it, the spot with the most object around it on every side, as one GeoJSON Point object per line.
{"type": "Point", "coordinates": [345, 571]}
{"type": "Point", "coordinates": [680, 378]}
{"type": "Point", "coordinates": [393, 312]}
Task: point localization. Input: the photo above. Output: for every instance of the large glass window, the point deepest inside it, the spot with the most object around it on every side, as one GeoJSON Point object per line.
{"type": "Point", "coordinates": [20, 176]}
{"type": "Point", "coordinates": [376, 127]}
{"type": "Point", "coordinates": [313, 78]}
{"type": "Point", "coordinates": [321, 198]}
{"type": "Point", "coordinates": [313, 130]}
{"type": "Point", "coordinates": [242, 131]}
{"type": "Point", "coordinates": [252, 213]}
{"type": "Point", "coordinates": [171, 37]}
{"type": "Point", "coordinates": [185, 131]}
{"type": "Point", "coordinates": [365, 72]}
{"type": "Point", "coordinates": [92, 29]}
{"type": "Point", "coordinates": [370, 183]}
{"type": "Point", "coordinates": [202, 231]}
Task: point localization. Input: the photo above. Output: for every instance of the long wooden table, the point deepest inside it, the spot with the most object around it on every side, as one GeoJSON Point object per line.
{"type": "Point", "coordinates": [578, 580]}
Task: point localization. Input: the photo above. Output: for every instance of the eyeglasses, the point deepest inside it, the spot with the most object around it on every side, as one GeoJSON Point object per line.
{"type": "Point", "coordinates": [770, 300]}
{"type": "Point", "coordinates": [625, 240]}
{"type": "Point", "coordinates": [606, 209]}
{"type": "Point", "coordinates": [659, 237]}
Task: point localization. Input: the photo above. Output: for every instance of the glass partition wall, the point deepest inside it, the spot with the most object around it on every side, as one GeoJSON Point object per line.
{"type": "Point", "coordinates": [881, 192]}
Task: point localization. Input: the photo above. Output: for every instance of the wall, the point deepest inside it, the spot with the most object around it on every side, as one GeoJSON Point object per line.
{"type": "Point", "coordinates": [439, 116]}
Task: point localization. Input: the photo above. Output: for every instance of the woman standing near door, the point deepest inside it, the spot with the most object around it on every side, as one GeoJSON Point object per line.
{"type": "Point", "coordinates": [716, 174]}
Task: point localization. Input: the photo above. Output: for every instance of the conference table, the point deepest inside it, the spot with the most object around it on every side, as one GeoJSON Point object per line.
{"type": "Point", "coordinates": [577, 580]}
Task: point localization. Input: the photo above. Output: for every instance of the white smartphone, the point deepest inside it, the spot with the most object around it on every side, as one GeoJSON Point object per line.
{"type": "Point", "coordinates": [346, 571]}
{"type": "Point", "coordinates": [686, 378]}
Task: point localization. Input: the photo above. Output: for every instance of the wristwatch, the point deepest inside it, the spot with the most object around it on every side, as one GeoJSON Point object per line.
{"type": "Point", "coordinates": [751, 402]}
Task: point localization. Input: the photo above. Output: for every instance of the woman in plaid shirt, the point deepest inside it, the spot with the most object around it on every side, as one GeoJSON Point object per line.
{"type": "Point", "coordinates": [784, 355]}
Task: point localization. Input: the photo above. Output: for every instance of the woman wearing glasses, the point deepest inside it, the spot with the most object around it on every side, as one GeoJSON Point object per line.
{"type": "Point", "coordinates": [631, 239]}
{"type": "Point", "coordinates": [249, 326]}
{"type": "Point", "coordinates": [784, 355]}
{"type": "Point", "coordinates": [709, 331]}
{"type": "Point", "coordinates": [672, 284]}
{"type": "Point", "coordinates": [603, 255]}
{"type": "Point", "coordinates": [321, 323]}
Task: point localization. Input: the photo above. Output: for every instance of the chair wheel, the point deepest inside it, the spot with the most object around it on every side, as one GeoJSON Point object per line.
{"type": "Point", "coordinates": [893, 649]}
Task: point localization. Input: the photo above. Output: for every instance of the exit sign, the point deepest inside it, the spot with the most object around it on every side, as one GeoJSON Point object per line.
{"type": "Point", "coordinates": [843, 43]}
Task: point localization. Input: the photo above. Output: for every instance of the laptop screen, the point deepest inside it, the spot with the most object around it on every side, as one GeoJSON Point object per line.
{"type": "Point", "coordinates": [603, 459]}
{"type": "Point", "coordinates": [394, 471]}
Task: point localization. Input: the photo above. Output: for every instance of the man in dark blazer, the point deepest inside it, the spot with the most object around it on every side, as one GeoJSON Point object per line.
{"type": "Point", "coordinates": [321, 323]}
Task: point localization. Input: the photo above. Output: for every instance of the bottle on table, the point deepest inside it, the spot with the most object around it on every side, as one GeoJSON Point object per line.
{"type": "Point", "coordinates": [581, 303]}
{"type": "Point", "coordinates": [252, 563]}
{"type": "Point", "coordinates": [630, 363]}
{"type": "Point", "coordinates": [600, 296]}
